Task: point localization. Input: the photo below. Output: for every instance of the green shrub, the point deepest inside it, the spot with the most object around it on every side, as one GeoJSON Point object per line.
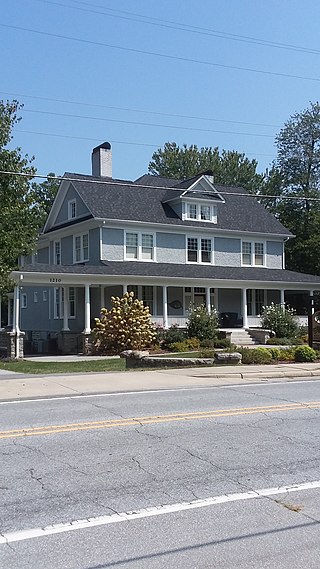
{"type": "Point", "coordinates": [127, 325]}
{"type": "Point", "coordinates": [207, 344]}
{"type": "Point", "coordinates": [304, 354]}
{"type": "Point", "coordinates": [275, 353]}
{"type": "Point", "coordinates": [255, 355]}
{"type": "Point", "coordinates": [278, 341]}
{"type": "Point", "coordinates": [216, 343]}
{"type": "Point", "coordinates": [190, 344]}
{"type": "Point", "coordinates": [170, 336]}
{"type": "Point", "coordinates": [282, 321]}
{"type": "Point", "coordinates": [206, 353]}
{"type": "Point", "coordinates": [202, 325]}
{"type": "Point", "coordinates": [287, 355]}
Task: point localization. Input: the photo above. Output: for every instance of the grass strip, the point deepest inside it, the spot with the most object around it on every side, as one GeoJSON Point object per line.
{"type": "Point", "coordinates": [87, 366]}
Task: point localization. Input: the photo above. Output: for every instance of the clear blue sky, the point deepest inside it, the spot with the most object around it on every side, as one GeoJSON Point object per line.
{"type": "Point", "coordinates": [145, 87]}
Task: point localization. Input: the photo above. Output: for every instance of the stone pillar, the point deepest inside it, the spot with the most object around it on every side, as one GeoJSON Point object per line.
{"type": "Point", "coordinates": [208, 300]}
{"type": "Point", "coordinates": [87, 328]}
{"type": "Point", "coordinates": [244, 308]}
{"type": "Point", "coordinates": [65, 327]}
{"type": "Point", "coordinates": [165, 306]}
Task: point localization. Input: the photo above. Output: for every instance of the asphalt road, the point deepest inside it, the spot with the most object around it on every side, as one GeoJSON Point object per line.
{"type": "Point", "coordinates": [198, 478]}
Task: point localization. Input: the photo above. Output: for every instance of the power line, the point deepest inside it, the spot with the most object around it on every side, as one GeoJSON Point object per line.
{"type": "Point", "coordinates": [114, 141]}
{"type": "Point", "coordinates": [136, 123]}
{"type": "Point", "coordinates": [133, 184]}
{"type": "Point", "coordinates": [134, 17]}
{"type": "Point", "coordinates": [162, 55]}
{"type": "Point", "coordinates": [143, 111]}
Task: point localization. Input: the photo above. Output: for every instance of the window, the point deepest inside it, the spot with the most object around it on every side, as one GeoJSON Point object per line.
{"type": "Point", "coordinates": [140, 246]}
{"type": "Point", "coordinates": [44, 295]}
{"type": "Point", "coordinates": [24, 303]}
{"type": "Point", "coordinates": [35, 297]}
{"type": "Point", "coordinates": [147, 297]}
{"type": "Point", "coordinates": [205, 250]}
{"type": "Point", "coordinates": [81, 248]}
{"type": "Point", "coordinates": [72, 209]}
{"type": "Point", "coordinates": [255, 301]}
{"type": "Point", "coordinates": [201, 212]}
{"type": "Point", "coordinates": [134, 289]}
{"type": "Point", "coordinates": [58, 302]}
{"type": "Point", "coordinates": [72, 302]}
{"type": "Point", "coordinates": [192, 211]}
{"type": "Point", "coordinates": [57, 252]}
{"type": "Point", "coordinates": [146, 246]}
{"type": "Point", "coordinates": [192, 249]}
{"type": "Point", "coordinates": [253, 253]}
{"type": "Point", "coordinates": [199, 250]}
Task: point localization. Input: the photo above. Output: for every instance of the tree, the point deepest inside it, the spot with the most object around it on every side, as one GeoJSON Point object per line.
{"type": "Point", "coordinates": [296, 174]}
{"type": "Point", "coordinates": [19, 214]}
{"type": "Point", "coordinates": [229, 167]}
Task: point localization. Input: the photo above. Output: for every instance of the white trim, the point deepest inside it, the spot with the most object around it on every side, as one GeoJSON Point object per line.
{"type": "Point", "coordinates": [82, 258]}
{"type": "Point", "coordinates": [100, 243]}
{"type": "Point", "coordinates": [199, 238]}
{"type": "Point", "coordinates": [70, 207]}
{"type": "Point", "coordinates": [56, 241]}
{"type": "Point", "coordinates": [198, 204]}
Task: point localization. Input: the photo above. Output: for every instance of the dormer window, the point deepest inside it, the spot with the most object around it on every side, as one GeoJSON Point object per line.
{"type": "Point", "coordinates": [72, 209]}
{"type": "Point", "coordinates": [201, 212]}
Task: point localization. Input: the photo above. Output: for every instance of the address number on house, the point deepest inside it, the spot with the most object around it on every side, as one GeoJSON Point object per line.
{"type": "Point", "coordinates": [54, 280]}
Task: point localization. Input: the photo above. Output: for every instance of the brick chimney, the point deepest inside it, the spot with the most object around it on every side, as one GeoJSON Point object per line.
{"type": "Point", "coordinates": [102, 160]}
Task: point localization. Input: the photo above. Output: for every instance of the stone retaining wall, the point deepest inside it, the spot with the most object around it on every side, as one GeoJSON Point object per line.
{"type": "Point", "coordinates": [139, 359]}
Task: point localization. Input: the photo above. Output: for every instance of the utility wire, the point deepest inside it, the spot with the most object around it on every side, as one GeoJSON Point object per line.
{"type": "Point", "coordinates": [135, 185]}
{"type": "Point", "coordinates": [134, 17]}
{"type": "Point", "coordinates": [114, 141]}
{"type": "Point", "coordinates": [162, 55]}
{"type": "Point", "coordinates": [143, 111]}
{"type": "Point", "coordinates": [136, 123]}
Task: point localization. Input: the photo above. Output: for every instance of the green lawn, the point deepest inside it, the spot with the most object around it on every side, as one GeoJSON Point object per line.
{"type": "Point", "coordinates": [34, 367]}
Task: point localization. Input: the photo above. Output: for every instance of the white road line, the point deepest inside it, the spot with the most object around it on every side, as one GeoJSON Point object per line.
{"type": "Point", "coordinates": [22, 535]}
{"type": "Point", "coordinates": [166, 390]}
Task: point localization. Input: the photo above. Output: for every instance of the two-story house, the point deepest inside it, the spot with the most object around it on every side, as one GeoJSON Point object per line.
{"type": "Point", "coordinates": [174, 243]}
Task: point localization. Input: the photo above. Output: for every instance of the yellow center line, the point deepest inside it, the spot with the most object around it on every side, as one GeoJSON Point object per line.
{"type": "Point", "coordinates": [153, 419]}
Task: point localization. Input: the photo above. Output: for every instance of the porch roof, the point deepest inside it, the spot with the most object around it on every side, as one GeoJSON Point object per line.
{"type": "Point", "coordinates": [175, 271]}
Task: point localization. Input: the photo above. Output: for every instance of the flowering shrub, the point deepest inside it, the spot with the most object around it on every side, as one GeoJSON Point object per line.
{"type": "Point", "coordinates": [127, 325]}
{"type": "Point", "coordinates": [282, 321]}
{"type": "Point", "coordinates": [202, 324]}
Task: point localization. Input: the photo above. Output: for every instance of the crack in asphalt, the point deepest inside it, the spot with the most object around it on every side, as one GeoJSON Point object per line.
{"type": "Point", "coordinates": [37, 479]}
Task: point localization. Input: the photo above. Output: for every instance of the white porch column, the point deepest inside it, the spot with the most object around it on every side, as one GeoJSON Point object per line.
{"type": "Point", "coordinates": [16, 309]}
{"type": "Point", "coordinates": [87, 328]}
{"type": "Point", "coordinates": [311, 294]}
{"type": "Point", "coordinates": [208, 300]}
{"type": "Point", "coordinates": [102, 301]}
{"type": "Point", "coordinates": [65, 327]}
{"type": "Point", "coordinates": [165, 306]}
{"type": "Point", "coordinates": [244, 308]}
{"type": "Point", "coordinates": [124, 289]}
{"type": "Point", "coordinates": [282, 297]}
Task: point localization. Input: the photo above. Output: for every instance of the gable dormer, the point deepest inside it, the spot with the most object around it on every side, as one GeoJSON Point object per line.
{"type": "Point", "coordinates": [198, 199]}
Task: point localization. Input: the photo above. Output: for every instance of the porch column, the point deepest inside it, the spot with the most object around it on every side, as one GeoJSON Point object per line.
{"type": "Point", "coordinates": [311, 294]}
{"type": "Point", "coordinates": [282, 297]}
{"type": "Point", "coordinates": [165, 306]}
{"type": "Point", "coordinates": [244, 308]}
{"type": "Point", "coordinates": [124, 289]}
{"type": "Point", "coordinates": [208, 301]}
{"type": "Point", "coordinates": [87, 328]}
{"type": "Point", "coordinates": [16, 309]}
{"type": "Point", "coordinates": [65, 327]}
{"type": "Point", "coordinates": [102, 302]}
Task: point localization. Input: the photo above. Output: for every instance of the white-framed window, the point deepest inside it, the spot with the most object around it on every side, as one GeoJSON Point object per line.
{"type": "Point", "coordinates": [81, 248]}
{"type": "Point", "coordinates": [139, 246]}
{"type": "Point", "coordinates": [253, 253]}
{"type": "Point", "coordinates": [35, 297]}
{"type": "Point", "coordinates": [57, 252]}
{"type": "Point", "coordinates": [24, 302]}
{"type": "Point", "coordinates": [199, 250]}
{"type": "Point", "coordinates": [256, 299]}
{"type": "Point", "coordinates": [44, 295]}
{"type": "Point", "coordinates": [201, 212]}
{"type": "Point", "coordinates": [59, 303]}
{"type": "Point", "coordinates": [72, 209]}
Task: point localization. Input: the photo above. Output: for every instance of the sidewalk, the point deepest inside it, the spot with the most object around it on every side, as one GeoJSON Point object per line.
{"type": "Point", "coordinates": [19, 386]}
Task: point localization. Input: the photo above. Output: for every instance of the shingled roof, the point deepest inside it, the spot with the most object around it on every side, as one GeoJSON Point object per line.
{"type": "Point", "coordinates": [144, 201]}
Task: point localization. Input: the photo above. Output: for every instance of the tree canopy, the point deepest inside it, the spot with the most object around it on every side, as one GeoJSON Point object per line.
{"type": "Point", "coordinates": [24, 204]}
{"type": "Point", "coordinates": [229, 167]}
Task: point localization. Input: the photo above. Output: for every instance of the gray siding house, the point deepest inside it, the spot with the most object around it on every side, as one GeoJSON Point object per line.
{"type": "Point", "coordinates": [174, 243]}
